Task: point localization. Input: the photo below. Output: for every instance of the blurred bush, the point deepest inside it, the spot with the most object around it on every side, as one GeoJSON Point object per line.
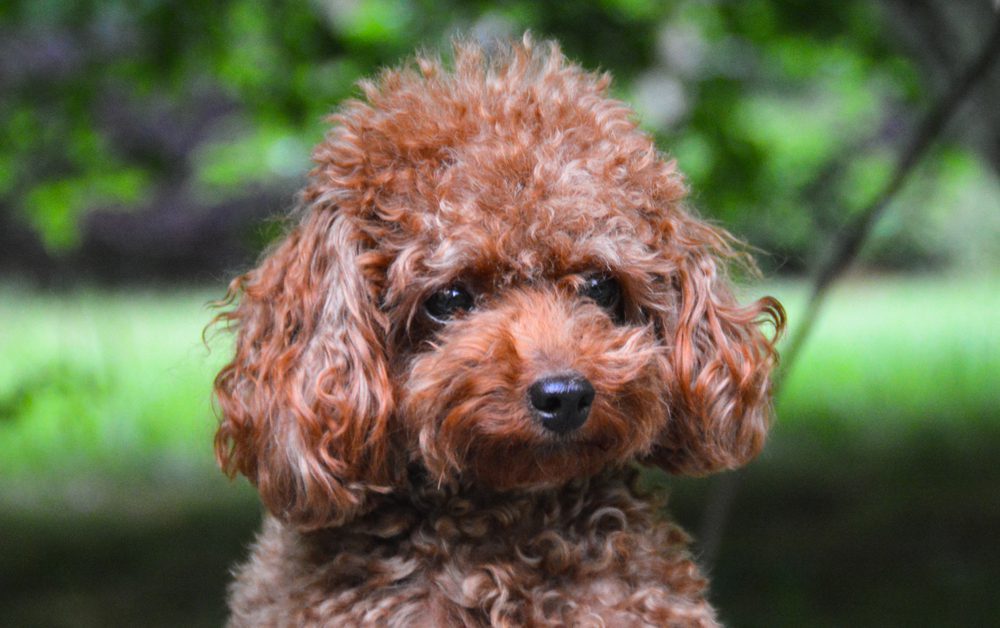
{"type": "Point", "coordinates": [155, 138]}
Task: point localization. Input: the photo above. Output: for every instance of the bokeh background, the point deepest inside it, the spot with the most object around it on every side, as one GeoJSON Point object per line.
{"type": "Point", "coordinates": [149, 149]}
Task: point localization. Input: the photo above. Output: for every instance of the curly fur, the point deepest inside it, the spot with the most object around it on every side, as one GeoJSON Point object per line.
{"type": "Point", "coordinates": [406, 478]}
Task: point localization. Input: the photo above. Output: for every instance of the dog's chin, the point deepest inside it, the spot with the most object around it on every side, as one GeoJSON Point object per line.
{"type": "Point", "coordinates": [547, 462]}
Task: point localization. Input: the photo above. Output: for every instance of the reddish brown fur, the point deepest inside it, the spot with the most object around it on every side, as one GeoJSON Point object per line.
{"type": "Point", "coordinates": [405, 473]}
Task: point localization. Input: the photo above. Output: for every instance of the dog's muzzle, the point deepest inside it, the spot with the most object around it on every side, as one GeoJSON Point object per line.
{"type": "Point", "coordinates": [561, 403]}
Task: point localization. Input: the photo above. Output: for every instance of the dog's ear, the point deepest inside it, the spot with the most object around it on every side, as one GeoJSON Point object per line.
{"type": "Point", "coordinates": [717, 362]}
{"type": "Point", "coordinates": [306, 401]}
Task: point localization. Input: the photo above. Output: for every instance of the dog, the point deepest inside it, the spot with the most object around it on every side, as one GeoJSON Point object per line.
{"type": "Point", "coordinates": [493, 305]}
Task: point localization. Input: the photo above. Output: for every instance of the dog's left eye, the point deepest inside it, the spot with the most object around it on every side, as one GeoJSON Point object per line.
{"type": "Point", "coordinates": [445, 303]}
{"type": "Point", "coordinates": [604, 290]}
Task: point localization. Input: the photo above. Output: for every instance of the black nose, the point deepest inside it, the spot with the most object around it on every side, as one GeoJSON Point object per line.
{"type": "Point", "coordinates": [561, 403]}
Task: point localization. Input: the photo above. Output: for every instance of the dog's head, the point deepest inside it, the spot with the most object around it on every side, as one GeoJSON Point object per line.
{"type": "Point", "coordinates": [493, 278]}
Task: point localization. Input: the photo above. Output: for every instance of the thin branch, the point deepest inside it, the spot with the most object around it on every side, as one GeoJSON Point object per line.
{"type": "Point", "coordinates": [851, 238]}
{"type": "Point", "coordinates": [843, 254]}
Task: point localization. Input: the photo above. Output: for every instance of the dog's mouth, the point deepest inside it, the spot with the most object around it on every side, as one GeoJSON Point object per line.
{"type": "Point", "coordinates": [562, 443]}
{"type": "Point", "coordinates": [550, 464]}
{"type": "Point", "coordinates": [539, 459]}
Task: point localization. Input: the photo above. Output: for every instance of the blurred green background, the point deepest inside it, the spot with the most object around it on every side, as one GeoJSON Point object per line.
{"type": "Point", "coordinates": [148, 150]}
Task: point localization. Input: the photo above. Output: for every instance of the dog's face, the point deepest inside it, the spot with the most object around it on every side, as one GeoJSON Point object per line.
{"type": "Point", "coordinates": [493, 279]}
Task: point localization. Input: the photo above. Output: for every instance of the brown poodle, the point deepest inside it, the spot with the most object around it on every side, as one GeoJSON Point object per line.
{"type": "Point", "coordinates": [493, 303]}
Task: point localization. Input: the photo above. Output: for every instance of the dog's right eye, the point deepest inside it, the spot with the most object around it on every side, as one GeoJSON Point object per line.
{"type": "Point", "coordinates": [605, 291]}
{"type": "Point", "coordinates": [445, 303]}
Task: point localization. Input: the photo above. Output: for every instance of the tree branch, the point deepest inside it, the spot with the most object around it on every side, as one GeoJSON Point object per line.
{"type": "Point", "coordinates": [854, 234]}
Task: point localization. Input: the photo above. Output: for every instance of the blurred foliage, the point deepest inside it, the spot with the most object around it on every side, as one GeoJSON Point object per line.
{"type": "Point", "coordinates": [785, 114]}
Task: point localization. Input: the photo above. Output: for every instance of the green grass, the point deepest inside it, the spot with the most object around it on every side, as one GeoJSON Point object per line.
{"type": "Point", "coordinates": [897, 353]}
{"type": "Point", "coordinates": [109, 381]}
{"type": "Point", "coordinates": [119, 381]}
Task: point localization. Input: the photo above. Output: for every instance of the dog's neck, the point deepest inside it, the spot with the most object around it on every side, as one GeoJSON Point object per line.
{"type": "Point", "coordinates": [466, 513]}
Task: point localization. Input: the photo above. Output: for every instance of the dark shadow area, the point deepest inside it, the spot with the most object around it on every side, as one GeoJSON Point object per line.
{"type": "Point", "coordinates": [166, 568]}
{"type": "Point", "coordinates": [827, 530]}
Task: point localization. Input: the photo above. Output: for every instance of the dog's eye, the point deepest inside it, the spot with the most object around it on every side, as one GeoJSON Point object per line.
{"type": "Point", "coordinates": [447, 302]}
{"type": "Point", "coordinates": [604, 290]}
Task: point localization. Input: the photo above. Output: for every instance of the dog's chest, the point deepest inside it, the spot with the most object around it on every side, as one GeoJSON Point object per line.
{"type": "Point", "coordinates": [510, 564]}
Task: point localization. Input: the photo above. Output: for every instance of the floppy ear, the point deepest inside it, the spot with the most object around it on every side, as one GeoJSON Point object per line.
{"type": "Point", "coordinates": [306, 401]}
{"type": "Point", "coordinates": [718, 361]}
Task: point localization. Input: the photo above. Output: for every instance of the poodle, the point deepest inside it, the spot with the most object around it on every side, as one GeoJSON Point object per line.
{"type": "Point", "coordinates": [493, 304]}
